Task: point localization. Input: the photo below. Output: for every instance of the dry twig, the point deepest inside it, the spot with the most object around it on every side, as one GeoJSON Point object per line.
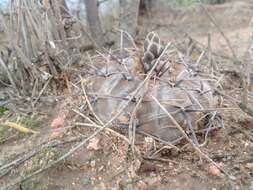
{"type": "Point", "coordinates": [189, 140]}
{"type": "Point", "coordinates": [220, 30]}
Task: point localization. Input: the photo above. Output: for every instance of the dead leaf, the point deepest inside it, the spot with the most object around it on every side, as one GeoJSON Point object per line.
{"type": "Point", "coordinates": [93, 144]}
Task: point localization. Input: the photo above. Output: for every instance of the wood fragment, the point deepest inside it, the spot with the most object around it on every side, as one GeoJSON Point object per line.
{"type": "Point", "coordinates": [18, 127]}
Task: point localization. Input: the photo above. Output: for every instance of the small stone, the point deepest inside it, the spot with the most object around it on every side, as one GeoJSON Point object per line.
{"type": "Point", "coordinates": [149, 140]}
{"type": "Point", "coordinates": [93, 163]}
{"type": "Point", "coordinates": [152, 174]}
{"type": "Point", "coordinates": [153, 180]}
{"type": "Point", "coordinates": [249, 166]}
{"type": "Point", "coordinates": [102, 186]}
{"type": "Point", "coordinates": [142, 185]}
{"type": "Point", "coordinates": [86, 181]}
{"type": "Point", "coordinates": [214, 170]}
{"type": "Point", "coordinates": [232, 178]}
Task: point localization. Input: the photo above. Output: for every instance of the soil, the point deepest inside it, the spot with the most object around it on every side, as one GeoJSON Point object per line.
{"type": "Point", "coordinates": [109, 164]}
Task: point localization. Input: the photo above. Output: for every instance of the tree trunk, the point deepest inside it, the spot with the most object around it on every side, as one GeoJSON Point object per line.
{"type": "Point", "coordinates": [94, 22]}
{"type": "Point", "coordinates": [145, 7]}
{"type": "Point", "coordinates": [129, 11]}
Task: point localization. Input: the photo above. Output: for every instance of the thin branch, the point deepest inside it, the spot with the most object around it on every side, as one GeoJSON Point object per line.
{"type": "Point", "coordinates": [212, 19]}
{"type": "Point", "coordinates": [189, 140]}
{"type": "Point", "coordinates": [88, 102]}
{"type": "Point", "coordinates": [8, 74]}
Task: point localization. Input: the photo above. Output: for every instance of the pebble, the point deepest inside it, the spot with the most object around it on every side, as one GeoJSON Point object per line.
{"type": "Point", "coordinates": [93, 163]}
{"type": "Point", "coordinates": [214, 170]}
{"type": "Point", "coordinates": [86, 181]}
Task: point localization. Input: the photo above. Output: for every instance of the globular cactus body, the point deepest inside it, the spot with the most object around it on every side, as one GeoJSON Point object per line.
{"type": "Point", "coordinates": [177, 89]}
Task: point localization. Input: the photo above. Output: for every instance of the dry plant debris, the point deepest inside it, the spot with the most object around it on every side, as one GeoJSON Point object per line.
{"type": "Point", "coordinates": [155, 92]}
{"type": "Point", "coordinates": [163, 93]}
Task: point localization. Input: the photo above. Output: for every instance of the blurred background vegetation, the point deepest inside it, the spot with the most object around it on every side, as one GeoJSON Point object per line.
{"type": "Point", "coordinates": [175, 3]}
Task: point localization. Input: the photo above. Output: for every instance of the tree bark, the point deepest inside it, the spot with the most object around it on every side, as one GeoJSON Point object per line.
{"type": "Point", "coordinates": [94, 22]}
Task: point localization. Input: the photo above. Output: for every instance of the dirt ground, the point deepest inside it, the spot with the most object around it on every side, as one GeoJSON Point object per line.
{"type": "Point", "coordinates": [106, 162]}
